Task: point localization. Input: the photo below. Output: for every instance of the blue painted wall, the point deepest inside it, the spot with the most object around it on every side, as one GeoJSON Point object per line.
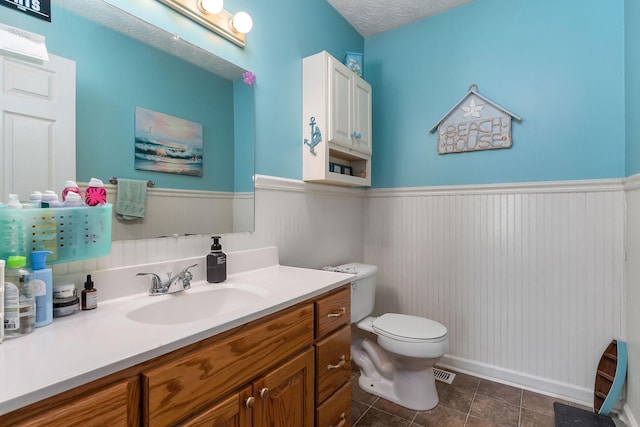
{"type": "Point", "coordinates": [557, 64]}
{"type": "Point", "coordinates": [632, 85]}
{"type": "Point", "coordinates": [114, 74]}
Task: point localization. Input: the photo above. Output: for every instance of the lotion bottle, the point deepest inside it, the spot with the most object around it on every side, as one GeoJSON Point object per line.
{"type": "Point", "coordinates": [216, 262]}
{"type": "Point", "coordinates": [42, 286]}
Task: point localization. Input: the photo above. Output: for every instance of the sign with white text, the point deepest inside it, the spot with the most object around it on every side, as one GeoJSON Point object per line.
{"type": "Point", "coordinates": [39, 8]}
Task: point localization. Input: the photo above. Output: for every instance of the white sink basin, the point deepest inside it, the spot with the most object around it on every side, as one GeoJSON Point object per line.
{"type": "Point", "coordinates": [197, 304]}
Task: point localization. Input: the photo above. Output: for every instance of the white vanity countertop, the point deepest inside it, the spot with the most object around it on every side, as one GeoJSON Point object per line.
{"type": "Point", "coordinates": [80, 348]}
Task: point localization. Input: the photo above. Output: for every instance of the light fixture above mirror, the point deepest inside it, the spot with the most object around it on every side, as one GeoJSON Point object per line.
{"type": "Point", "coordinates": [212, 15]}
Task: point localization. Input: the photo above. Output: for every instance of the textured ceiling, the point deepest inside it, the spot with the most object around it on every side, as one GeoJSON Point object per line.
{"type": "Point", "coordinates": [371, 17]}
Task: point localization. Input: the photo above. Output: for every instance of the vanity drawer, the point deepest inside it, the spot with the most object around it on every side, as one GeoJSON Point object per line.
{"type": "Point", "coordinates": [333, 363]}
{"type": "Point", "coordinates": [180, 388]}
{"type": "Point", "coordinates": [336, 411]}
{"type": "Point", "coordinates": [333, 311]}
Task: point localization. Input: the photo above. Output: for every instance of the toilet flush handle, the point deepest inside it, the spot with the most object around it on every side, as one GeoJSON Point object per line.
{"type": "Point", "coordinates": [337, 313]}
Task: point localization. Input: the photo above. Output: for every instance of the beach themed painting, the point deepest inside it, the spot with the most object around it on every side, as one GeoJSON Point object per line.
{"type": "Point", "coordinates": [168, 144]}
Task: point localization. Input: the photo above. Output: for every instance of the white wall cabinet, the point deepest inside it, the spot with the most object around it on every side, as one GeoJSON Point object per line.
{"type": "Point", "coordinates": [336, 123]}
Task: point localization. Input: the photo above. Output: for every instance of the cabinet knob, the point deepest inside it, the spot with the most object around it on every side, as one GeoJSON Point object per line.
{"type": "Point", "coordinates": [343, 420]}
{"type": "Point", "coordinates": [337, 313]}
{"type": "Point", "coordinates": [338, 365]}
{"type": "Point", "coordinates": [248, 402]}
{"type": "Point", "coordinates": [264, 393]}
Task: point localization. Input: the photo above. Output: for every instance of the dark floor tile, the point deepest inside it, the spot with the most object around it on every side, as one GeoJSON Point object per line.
{"type": "Point", "coordinates": [506, 393]}
{"type": "Point", "coordinates": [477, 422]}
{"type": "Point", "coordinates": [357, 409]}
{"type": "Point", "coordinates": [535, 419]}
{"type": "Point", "coordinates": [454, 398]}
{"type": "Point", "coordinates": [395, 409]}
{"type": "Point", "coordinates": [538, 402]}
{"type": "Point", "coordinates": [360, 395]}
{"type": "Point", "coordinates": [440, 416]}
{"type": "Point", "coordinates": [377, 418]}
{"type": "Point", "coordinates": [495, 411]}
{"type": "Point", "coordinates": [464, 382]}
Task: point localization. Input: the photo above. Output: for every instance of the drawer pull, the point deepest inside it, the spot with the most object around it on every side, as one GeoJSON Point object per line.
{"type": "Point", "coordinates": [343, 420]}
{"type": "Point", "coordinates": [338, 365]}
{"type": "Point", "coordinates": [337, 313]}
{"type": "Point", "coordinates": [248, 402]}
{"type": "Point", "coordinates": [264, 393]}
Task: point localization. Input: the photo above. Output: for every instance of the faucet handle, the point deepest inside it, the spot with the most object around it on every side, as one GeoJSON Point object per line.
{"type": "Point", "coordinates": [156, 282]}
{"type": "Point", "coordinates": [187, 276]}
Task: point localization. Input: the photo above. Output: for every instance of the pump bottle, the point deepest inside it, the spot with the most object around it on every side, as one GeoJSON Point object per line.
{"type": "Point", "coordinates": [216, 262]}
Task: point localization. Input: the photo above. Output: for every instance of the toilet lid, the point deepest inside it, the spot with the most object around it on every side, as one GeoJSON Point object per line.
{"type": "Point", "coordinates": [406, 327]}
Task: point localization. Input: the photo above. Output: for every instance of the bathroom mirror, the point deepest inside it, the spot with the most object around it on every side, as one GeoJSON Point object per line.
{"type": "Point", "coordinates": [124, 63]}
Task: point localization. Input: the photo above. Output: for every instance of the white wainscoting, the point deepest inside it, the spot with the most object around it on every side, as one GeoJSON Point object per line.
{"type": "Point", "coordinates": [527, 278]}
{"type": "Point", "coordinates": [632, 279]}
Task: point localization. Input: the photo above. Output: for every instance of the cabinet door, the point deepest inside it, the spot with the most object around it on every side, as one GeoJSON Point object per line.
{"type": "Point", "coordinates": [234, 411]}
{"type": "Point", "coordinates": [115, 405]}
{"type": "Point", "coordinates": [340, 89]}
{"type": "Point", "coordinates": [361, 116]}
{"type": "Point", "coordinates": [284, 397]}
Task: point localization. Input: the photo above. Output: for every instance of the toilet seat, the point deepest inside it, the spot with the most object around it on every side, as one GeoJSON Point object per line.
{"type": "Point", "coordinates": [407, 328]}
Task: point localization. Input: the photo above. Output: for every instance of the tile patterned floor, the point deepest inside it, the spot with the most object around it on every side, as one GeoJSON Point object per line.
{"type": "Point", "coordinates": [469, 401]}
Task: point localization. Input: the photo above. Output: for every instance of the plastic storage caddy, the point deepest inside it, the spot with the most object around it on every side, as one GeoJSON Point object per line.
{"type": "Point", "coordinates": [71, 234]}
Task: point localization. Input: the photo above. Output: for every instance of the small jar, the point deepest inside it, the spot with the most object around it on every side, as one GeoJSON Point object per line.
{"type": "Point", "coordinates": [66, 308]}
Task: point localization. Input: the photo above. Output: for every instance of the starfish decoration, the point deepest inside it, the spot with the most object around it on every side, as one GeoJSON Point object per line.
{"type": "Point", "coordinates": [472, 110]}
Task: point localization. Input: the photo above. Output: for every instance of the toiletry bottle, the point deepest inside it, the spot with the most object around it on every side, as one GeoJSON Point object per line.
{"type": "Point", "coordinates": [95, 193]}
{"type": "Point", "coordinates": [89, 295]}
{"type": "Point", "coordinates": [50, 200]}
{"type": "Point", "coordinates": [216, 263]}
{"type": "Point", "coordinates": [19, 303]}
{"type": "Point", "coordinates": [14, 202]}
{"type": "Point", "coordinates": [70, 186]}
{"type": "Point", "coordinates": [42, 285]}
{"type": "Point", "coordinates": [73, 200]}
{"type": "Point", "coordinates": [35, 199]}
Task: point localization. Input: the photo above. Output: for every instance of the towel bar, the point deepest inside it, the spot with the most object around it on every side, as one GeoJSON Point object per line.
{"type": "Point", "coordinates": [113, 180]}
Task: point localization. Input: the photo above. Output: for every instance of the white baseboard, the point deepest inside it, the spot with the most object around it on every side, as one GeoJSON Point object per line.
{"type": "Point", "coordinates": [540, 385]}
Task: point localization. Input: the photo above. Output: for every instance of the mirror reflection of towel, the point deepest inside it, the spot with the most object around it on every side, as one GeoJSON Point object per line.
{"type": "Point", "coordinates": [131, 199]}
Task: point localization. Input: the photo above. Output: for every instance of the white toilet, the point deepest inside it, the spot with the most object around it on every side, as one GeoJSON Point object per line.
{"type": "Point", "coordinates": [399, 367]}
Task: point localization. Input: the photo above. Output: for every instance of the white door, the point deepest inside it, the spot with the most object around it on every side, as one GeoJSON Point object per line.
{"type": "Point", "coordinates": [38, 125]}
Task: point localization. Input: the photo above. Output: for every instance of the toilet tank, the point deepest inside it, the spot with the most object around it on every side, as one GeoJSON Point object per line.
{"type": "Point", "coordinates": [363, 289]}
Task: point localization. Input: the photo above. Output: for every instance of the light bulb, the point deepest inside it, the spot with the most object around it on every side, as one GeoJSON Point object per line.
{"type": "Point", "coordinates": [242, 22]}
{"type": "Point", "coordinates": [212, 6]}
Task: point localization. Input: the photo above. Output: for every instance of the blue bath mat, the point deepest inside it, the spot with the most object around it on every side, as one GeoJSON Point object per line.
{"type": "Point", "coordinates": [568, 416]}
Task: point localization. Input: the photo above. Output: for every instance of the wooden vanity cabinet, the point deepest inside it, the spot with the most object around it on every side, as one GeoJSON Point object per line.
{"type": "Point", "coordinates": [290, 368]}
{"type": "Point", "coordinates": [333, 359]}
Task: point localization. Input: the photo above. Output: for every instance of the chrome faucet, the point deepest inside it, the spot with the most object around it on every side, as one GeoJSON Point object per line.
{"type": "Point", "coordinates": [158, 287]}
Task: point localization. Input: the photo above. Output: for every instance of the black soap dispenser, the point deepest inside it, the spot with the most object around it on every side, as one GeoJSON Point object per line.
{"type": "Point", "coordinates": [216, 262]}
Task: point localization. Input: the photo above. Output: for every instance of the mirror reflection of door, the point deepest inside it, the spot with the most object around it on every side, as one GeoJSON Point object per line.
{"type": "Point", "coordinates": [38, 126]}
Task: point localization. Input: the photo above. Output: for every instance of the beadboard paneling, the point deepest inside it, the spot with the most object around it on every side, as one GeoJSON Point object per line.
{"type": "Point", "coordinates": [527, 279]}
{"type": "Point", "coordinates": [632, 279]}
